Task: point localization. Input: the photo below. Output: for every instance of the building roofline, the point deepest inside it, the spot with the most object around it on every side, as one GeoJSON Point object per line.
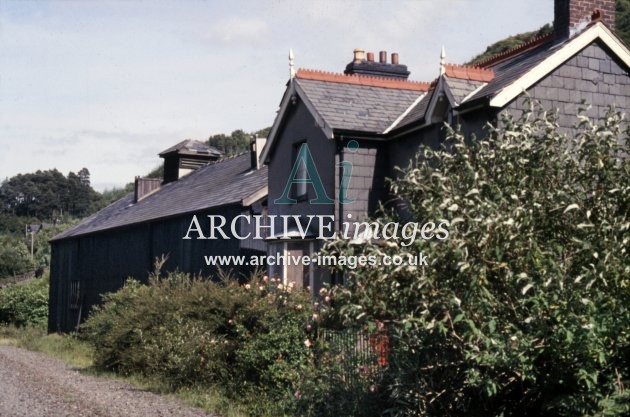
{"type": "Point", "coordinates": [467, 72]}
{"type": "Point", "coordinates": [513, 52]}
{"type": "Point", "coordinates": [405, 113]}
{"type": "Point", "coordinates": [293, 89]}
{"type": "Point", "coordinates": [597, 31]}
{"type": "Point", "coordinates": [56, 239]}
{"type": "Point", "coordinates": [364, 80]}
{"type": "Point", "coordinates": [182, 149]}
{"type": "Point", "coordinates": [235, 200]}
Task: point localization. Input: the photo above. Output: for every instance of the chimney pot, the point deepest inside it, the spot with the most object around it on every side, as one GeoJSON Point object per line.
{"type": "Point", "coordinates": [359, 55]}
{"type": "Point", "coordinates": [368, 67]}
{"type": "Point", "coordinates": [257, 146]}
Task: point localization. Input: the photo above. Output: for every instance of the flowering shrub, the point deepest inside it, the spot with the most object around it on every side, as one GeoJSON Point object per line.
{"type": "Point", "coordinates": [524, 309]}
{"type": "Point", "coordinates": [253, 340]}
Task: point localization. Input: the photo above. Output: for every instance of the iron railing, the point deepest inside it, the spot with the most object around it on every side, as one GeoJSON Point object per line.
{"type": "Point", "coordinates": [357, 356]}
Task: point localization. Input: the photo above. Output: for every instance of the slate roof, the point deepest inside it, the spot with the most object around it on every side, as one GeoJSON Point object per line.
{"type": "Point", "coordinates": [417, 113]}
{"type": "Point", "coordinates": [509, 70]}
{"type": "Point", "coordinates": [358, 107]}
{"type": "Point", "coordinates": [192, 147]}
{"type": "Point", "coordinates": [460, 89]}
{"type": "Point", "coordinates": [373, 104]}
{"type": "Point", "coordinates": [373, 109]}
{"type": "Point", "coordinates": [220, 183]}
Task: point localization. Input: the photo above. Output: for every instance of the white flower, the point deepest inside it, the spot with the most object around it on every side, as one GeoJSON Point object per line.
{"type": "Point", "coordinates": [307, 343]}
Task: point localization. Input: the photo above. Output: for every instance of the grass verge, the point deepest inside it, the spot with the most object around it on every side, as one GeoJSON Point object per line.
{"type": "Point", "coordinates": [79, 354]}
{"type": "Point", "coordinates": [65, 347]}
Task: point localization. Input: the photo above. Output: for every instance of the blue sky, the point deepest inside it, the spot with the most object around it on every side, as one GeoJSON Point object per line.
{"type": "Point", "coordinates": [107, 85]}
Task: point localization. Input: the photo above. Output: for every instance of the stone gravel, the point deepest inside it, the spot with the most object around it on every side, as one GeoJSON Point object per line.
{"type": "Point", "coordinates": [33, 384]}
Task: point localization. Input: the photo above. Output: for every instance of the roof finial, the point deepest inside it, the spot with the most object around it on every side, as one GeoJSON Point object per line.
{"type": "Point", "coordinates": [443, 61]}
{"type": "Point", "coordinates": [291, 65]}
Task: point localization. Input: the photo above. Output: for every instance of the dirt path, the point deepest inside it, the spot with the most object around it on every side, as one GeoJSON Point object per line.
{"type": "Point", "coordinates": [33, 384]}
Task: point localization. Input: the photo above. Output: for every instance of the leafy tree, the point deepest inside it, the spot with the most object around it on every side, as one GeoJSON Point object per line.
{"type": "Point", "coordinates": [13, 225]}
{"type": "Point", "coordinates": [41, 245]}
{"type": "Point", "coordinates": [157, 172]}
{"type": "Point", "coordinates": [525, 308]}
{"type": "Point", "coordinates": [15, 257]}
{"type": "Point", "coordinates": [237, 142]}
{"type": "Point", "coordinates": [80, 197]}
{"type": "Point", "coordinates": [84, 176]}
{"type": "Point", "coordinates": [45, 194]}
{"type": "Point", "coordinates": [623, 20]}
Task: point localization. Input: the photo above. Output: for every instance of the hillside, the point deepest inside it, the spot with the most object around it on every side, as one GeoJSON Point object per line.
{"type": "Point", "coordinates": [623, 30]}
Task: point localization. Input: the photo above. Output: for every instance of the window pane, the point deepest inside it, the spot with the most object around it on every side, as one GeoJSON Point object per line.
{"type": "Point", "coordinates": [302, 175]}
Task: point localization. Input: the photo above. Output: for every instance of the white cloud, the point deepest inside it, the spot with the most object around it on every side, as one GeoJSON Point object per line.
{"type": "Point", "coordinates": [238, 29]}
{"type": "Point", "coordinates": [107, 85]}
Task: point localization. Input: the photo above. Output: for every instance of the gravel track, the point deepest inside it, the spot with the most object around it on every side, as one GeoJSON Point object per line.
{"type": "Point", "coordinates": [33, 384]}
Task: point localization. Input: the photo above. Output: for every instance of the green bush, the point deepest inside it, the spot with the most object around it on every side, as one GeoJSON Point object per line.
{"type": "Point", "coordinates": [248, 339]}
{"type": "Point", "coordinates": [345, 380]}
{"type": "Point", "coordinates": [15, 258]}
{"type": "Point", "coordinates": [25, 303]}
{"type": "Point", "coordinates": [525, 309]}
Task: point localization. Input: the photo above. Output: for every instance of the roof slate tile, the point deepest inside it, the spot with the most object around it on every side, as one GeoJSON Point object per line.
{"type": "Point", "coordinates": [220, 183]}
{"type": "Point", "coordinates": [357, 107]}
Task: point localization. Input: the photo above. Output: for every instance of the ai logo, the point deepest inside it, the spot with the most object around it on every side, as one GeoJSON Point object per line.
{"type": "Point", "coordinates": [305, 172]}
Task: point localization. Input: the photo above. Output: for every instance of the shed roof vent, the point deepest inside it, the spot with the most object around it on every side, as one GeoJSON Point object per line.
{"type": "Point", "coordinates": [185, 157]}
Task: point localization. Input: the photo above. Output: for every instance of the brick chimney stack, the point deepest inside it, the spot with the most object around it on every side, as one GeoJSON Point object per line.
{"type": "Point", "coordinates": [569, 13]}
{"type": "Point", "coordinates": [362, 66]}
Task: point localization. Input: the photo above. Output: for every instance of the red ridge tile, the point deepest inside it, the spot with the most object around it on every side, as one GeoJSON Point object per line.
{"type": "Point", "coordinates": [464, 72]}
{"type": "Point", "coordinates": [383, 82]}
{"type": "Point", "coordinates": [517, 50]}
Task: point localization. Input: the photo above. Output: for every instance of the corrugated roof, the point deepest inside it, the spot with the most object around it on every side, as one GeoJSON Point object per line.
{"type": "Point", "coordinates": [357, 107]}
{"type": "Point", "coordinates": [220, 183]}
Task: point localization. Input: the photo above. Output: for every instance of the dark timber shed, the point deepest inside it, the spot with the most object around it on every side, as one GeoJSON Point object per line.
{"type": "Point", "coordinates": [124, 239]}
